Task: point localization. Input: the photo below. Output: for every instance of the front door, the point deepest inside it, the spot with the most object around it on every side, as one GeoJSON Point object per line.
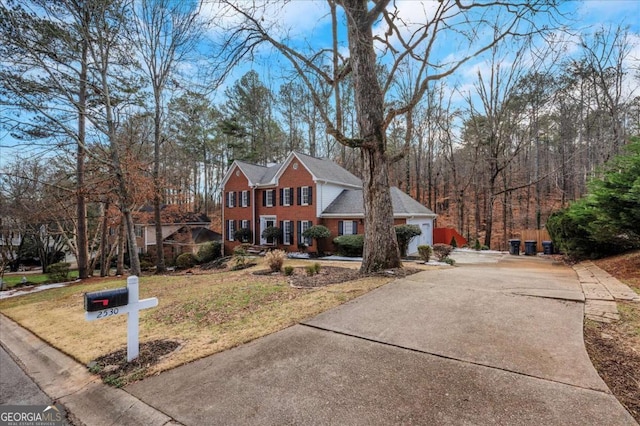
{"type": "Point", "coordinates": [265, 222]}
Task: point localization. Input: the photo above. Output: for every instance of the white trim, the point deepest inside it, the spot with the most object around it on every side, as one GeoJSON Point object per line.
{"type": "Point", "coordinates": [263, 225]}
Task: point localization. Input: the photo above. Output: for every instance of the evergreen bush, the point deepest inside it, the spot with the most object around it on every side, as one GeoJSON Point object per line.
{"type": "Point", "coordinates": [209, 252]}
{"type": "Point", "coordinates": [350, 245]}
{"type": "Point", "coordinates": [186, 261]}
{"type": "Point", "coordinates": [404, 235]}
{"type": "Point", "coordinates": [58, 272]}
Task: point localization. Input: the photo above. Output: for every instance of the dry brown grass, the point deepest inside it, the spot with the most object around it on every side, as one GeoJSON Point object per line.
{"type": "Point", "coordinates": [205, 312]}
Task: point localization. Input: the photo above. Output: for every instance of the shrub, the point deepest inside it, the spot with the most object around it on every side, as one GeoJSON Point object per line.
{"type": "Point", "coordinates": [425, 252]}
{"type": "Point", "coordinates": [288, 270]}
{"type": "Point", "coordinates": [349, 245]}
{"type": "Point", "coordinates": [442, 251]}
{"type": "Point", "coordinates": [404, 235]}
{"type": "Point", "coordinates": [240, 257]}
{"type": "Point", "coordinates": [275, 259]}
{"type": "Point", "coordinates": [317, 232]}
{"type": "Point", "coordinates": [605, 221]}
{"type": "Point", "coordinates": [453, 242]}
{"type": "Point", "coordinates": [209, 252]}
{"type": "Point", "coordinates": [272, 232]}
{"type": "Point", "coordinates": [477, 245]}
{"type": "Point", "coordinates": [146, 265]}
{"type": "Point", "coordinates": [311, 270]}
{"type": "Point", "coordinates": [58, 272]}
{"type": "Point", "coordinates": [186, 261]}
{"type": "Point", "coordinates": [243, 235]}
{"type": "Point", "coordinates": [449, 261]}
{"type": "Point", "coordinates": [317, 267]}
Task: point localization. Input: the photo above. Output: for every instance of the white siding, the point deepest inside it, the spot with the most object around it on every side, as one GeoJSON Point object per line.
{"type": "Point", "coordinates": [326, 193]}
{"type": "Point", "coordinates": [426, 226]}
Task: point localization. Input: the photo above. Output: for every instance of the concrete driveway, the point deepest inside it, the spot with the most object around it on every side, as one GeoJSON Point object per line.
{"type": "Point", "coordinates": [495, 341]}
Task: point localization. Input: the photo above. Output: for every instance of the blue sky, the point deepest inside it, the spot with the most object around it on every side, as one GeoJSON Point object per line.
{"type": "Point", "coordinates": [308, 22]}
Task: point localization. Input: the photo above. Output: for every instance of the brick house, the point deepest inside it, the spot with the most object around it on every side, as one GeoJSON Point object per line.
{"type": "Point", "coordinates": [301, 192]}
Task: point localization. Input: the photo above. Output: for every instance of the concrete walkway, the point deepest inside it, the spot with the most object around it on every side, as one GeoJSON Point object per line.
{"type": "Point", "coordinates": [601, 291]}
{"type": "Point", "coordinates": [496, 342]}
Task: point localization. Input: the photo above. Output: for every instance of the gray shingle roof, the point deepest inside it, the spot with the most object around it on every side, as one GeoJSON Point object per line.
{"type": "Point", "coordinates": [351, 203]}
{"type": "Point", "coordinates": [257, 174]}
{"type": "Point", "coordinates": [326, 170]}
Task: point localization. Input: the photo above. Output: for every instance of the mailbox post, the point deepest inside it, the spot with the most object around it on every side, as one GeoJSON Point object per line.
{"type": "Point", "coordinates": [104, 304]}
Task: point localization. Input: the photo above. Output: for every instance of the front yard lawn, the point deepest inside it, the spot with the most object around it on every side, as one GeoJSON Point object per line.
{"type": "Point", "coordinates": [203, 313]}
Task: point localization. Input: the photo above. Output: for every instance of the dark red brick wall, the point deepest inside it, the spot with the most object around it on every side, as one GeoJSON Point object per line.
{"type": "Point", "coordinates": [237, 182]}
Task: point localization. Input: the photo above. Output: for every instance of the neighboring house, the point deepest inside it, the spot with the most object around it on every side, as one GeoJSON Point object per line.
{"type": "Point", "coordinates": [181, 232]}
{"type": "Point", "coordinates": [301, 192]}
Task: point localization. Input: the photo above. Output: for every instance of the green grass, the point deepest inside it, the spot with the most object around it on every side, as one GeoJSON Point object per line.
{"type": "Point", "coordinates": [11, 281]}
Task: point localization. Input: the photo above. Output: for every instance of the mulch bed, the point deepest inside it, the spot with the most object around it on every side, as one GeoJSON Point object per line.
{"type": "Point", "coordinates": [617, 363]}
{"type": "Point", "coordinates": [114, 369]}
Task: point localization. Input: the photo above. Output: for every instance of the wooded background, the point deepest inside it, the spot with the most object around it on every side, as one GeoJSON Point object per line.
{"type": "Point", "coordinates": [102, 132]}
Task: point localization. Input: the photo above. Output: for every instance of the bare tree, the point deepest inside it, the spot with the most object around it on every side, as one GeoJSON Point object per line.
{"type": "Point", "coordinates": [165, 32]}
{"type": "Point", "coordinates": [401, 43]}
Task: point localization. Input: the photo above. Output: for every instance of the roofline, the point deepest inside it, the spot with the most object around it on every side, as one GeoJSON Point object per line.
{"type": "Point", "coordinates": [338, 183]}
{"type": "Point", "coordinates": [227, 175]}
{"type": "Point", "coordinates": [361, 215]}
{"type": "Point", "coordinates": [171, 223]}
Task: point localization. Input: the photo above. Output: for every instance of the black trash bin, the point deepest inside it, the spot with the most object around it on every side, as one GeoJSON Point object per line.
{"type": "Point", "coordinates": [530, 247]}
{"type": "Point", "coordinates": [547, 247]}
{"type": "Point", "coordinates": [514, 247]}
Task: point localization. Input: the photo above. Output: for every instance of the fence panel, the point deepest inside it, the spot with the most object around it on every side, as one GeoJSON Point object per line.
{"type": "Point", "coordinates": [539, 235]}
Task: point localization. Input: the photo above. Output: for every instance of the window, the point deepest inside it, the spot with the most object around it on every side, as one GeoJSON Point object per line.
{"type": "Point", "coordinates": [268, 198]}
{"type": "Point", "coordinates": [231, 230]}
{"type": "Point", "coordinates": [303, 225]}
{"type": "Point", "coordinates": [138, 230]}
{"type": "Point", "coordinates": [347, 227]}
{"type": "Point", "coordinates": [305, 195]}
{"type": "Point", "coordinates": [286, 195]}
{"type": "Point", "coordinates": [244, 201]}
{"type": "Point", "coordinates": [231, 199]}
{"type": "Point", "coordinates": [287, 232]}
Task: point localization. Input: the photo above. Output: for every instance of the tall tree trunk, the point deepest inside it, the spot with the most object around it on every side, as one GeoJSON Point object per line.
{"type": "Point", "coordinates": [380, 245]}
{"type": "Point", "coordinates": [104, 267]}
{"type": "Point", "coordinates": [81, 206]}
{"type": "Point", "coordinates": [157, 187]}
{"type": "Point", "coordinates": [121, 246]}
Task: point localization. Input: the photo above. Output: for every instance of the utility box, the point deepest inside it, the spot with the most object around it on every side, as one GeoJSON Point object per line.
{"type": "Point", "coordinates": [99, 300]}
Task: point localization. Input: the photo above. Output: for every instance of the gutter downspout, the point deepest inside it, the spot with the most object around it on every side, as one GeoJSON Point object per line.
{"type": "Point", "coordinates": [253, 214]}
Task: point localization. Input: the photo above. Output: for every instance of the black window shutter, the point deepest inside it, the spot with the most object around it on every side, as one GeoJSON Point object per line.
{"type": "Point", "coordinates": [340, 227]}
{"type": "Point", "coordinates": [264, 198]}
{"type": "Point", "coordinates": [310, 195]}
{"type": "Point", "coordinates": [299, 231]}
{"type": "Point", "coordinates": [281, 196]}
{"type": "Point", "coordinates": [299, 195]}
{"type": "Point", "coordinates": [248, 199]}
{"type": "Point", "coordinates": [291, 202]}
{"type": "Point", "coordinates": [355, 227]}
{"type": "Point", "coordinates": [226, 199]}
